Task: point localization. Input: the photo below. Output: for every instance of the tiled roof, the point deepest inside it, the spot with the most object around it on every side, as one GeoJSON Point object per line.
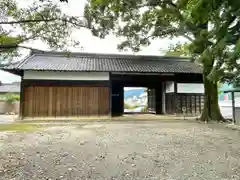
{"type": "Point", "coordinates": [106, 63]}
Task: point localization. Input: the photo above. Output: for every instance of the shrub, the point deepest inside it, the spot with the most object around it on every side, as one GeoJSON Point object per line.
{"type": "Point", "coordinates": [11, 98]}
{"type": "Point", "coordinates": [145, 108]}
{"type": "Point", "coordinates": [127, 106]}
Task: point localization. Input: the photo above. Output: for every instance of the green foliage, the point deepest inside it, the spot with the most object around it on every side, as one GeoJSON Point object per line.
{"type": "Point", "coordinates": [179, 50]}
{"type": "Point", "coordinates": [212, 28]}
{"type": "Point", "coordinates": [138, 21]}
{"type": "Point", "coordinates": [145, 108]}
{"type": "Point", "coordinates": [41, 20]}
{"type": "Point", "coordinates": [11, 98]}
{"type": "Point", "coordinates": [17, 127]}
{"type": "Point", "coordinates": [127, 106]}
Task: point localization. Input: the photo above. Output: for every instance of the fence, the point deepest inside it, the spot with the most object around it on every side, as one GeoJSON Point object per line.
{"type": "Point", "coordinates": [5, 107]}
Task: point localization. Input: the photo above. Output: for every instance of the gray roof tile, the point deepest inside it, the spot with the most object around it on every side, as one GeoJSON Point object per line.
{"type": "Point", "coordinates": [107, 62]}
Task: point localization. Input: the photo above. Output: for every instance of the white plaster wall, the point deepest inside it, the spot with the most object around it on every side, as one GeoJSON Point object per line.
{"type": "Point", "coordinates": [57, 75]}
{"type": "Point", "coordinates": [185, 87]}
{"type": "Point", "coordinates": [190, 88]}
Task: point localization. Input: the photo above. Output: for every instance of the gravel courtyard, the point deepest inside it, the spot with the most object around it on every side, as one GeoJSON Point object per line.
{"type": "Point", "coordinates": [122, 150]}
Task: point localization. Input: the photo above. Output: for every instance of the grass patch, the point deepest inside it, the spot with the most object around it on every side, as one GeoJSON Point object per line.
{"type": "Point", "coordinates": [24, 127]}
{"type": "Point", "coordinates": [18, 127]}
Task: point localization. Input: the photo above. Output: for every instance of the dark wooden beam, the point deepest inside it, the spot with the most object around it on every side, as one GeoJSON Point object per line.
{"type": "Point", "coordinates": [148, 79]}
{"type": "Point", "coordinates": [28, 82]}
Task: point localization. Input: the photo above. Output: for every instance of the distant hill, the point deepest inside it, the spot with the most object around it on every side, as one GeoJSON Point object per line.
{"type": "Point", "coordinates": [133, 92]}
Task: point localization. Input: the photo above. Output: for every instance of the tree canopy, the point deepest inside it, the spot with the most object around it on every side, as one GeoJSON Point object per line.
{"type": "Point", "coordinates": [211, 27]}
{"type": "Point", "coordinates": [221, 37]}
{"type": "Point", "coordinates": [41, 20]}
{"type": "Point", "coordinates": [178, 49]}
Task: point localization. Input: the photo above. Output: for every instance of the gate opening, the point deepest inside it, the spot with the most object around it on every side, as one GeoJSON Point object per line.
{"type": "Point", "coordinates": [139, 100]}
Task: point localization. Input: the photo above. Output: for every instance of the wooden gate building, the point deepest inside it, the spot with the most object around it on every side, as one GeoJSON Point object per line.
{"type": "Point", "coordinates": [57, 84]}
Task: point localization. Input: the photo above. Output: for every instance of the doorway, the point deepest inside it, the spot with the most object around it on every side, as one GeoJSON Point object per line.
{"type": "Point", "coordinates": [139, 100]}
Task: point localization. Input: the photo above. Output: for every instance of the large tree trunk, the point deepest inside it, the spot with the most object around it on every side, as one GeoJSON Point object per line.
{"type": "Point", "coordinates": [211, 110]}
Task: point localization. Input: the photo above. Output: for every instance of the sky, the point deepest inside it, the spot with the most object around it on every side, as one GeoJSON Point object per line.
{"type": "Point", "coordinates": [91, 43]}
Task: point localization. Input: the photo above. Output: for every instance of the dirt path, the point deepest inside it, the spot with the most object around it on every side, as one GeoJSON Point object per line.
{"type": "Point", "coordinates": [143, 150]}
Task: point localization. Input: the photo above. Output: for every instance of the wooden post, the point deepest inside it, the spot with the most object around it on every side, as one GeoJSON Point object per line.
{"type": "Point", "coordinates": [233, 108]}
{"type": "Point", "coordinates": [195, 103]}
{"type": "Point", "coordinates": [175, 97]}
{"type": "Point", "coordinates": [121, 96]}
{"type": "Point", "coordinates": [110, 95]}
{"type": "Point", "coordinates": [200, 103]}
{"type": "Point", "coordinates": [158, 98]}
{"type": "Point", "coordinates": [163, 97]}
{"type": "Point", "coordinates": [21, 105]}
{"type": "Point", "coordinates": [149, 104]}
{"type": "Point", "coordinates": [191, 104]}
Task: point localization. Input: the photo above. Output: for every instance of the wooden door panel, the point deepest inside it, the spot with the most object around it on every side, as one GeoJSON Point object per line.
{"type": "Point", "coordinates": [42, 101]}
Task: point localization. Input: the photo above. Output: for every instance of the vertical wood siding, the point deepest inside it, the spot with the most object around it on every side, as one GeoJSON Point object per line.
{"type": "Point", "coordinates": [42, 101]}
{"type": "Point", "coordinates": [192, 102]}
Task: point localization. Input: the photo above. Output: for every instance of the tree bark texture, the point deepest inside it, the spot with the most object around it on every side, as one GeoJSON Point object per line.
{"type": "Point", "coordinates": [211, 110]}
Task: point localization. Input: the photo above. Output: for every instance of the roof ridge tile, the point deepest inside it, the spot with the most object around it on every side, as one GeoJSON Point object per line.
{"type": "Point", "coordinates": [24, 61]}
{"type": "Point", "coordinates": [109, 56]}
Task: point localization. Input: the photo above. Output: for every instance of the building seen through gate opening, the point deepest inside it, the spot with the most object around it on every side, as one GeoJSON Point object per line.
{"type": "Point", "coordinates": [139, 100]}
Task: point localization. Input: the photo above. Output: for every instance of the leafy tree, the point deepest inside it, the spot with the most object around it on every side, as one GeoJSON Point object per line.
{"type": "Point", "coordinates": [207, 24]}
{"type": "Point", "coordinates": [178, 50]}
{"type": "Point", "coordinates": [217, 45]}
{"type": "Point", "coordinates": [42, 20]}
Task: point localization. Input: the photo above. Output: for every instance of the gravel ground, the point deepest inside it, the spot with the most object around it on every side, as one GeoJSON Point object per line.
{"type": "Point", "coordinates": [7, 118]}
{"type": "Point", "coordinates": [122, 151]}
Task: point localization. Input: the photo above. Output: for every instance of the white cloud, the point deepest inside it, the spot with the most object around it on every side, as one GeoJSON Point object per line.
{"type": "Point", "coordinates": [91, 43]}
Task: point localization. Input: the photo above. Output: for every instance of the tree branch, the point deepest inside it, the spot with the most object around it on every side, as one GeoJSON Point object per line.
{"type": "Point", "coordinates": [169, 2]}
{"type": "Point", "coordinates": [12, 46]}
{"type": "Point", "coordinates": [28, 21]}
{"type": "Point", "coordinates": [45, 20]}
{"type": "Point", "coordinates": [188, 37]}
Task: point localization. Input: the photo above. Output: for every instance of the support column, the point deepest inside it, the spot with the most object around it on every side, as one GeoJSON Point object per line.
{"type": "Point", "coordinates": [163, 98]}
{"type": "Point", "coordinates": [21, 105]}
{"type": "Point", "coordinates": [175, 97]}
{"type": "Point", "coordinates": [233, 108]}
{"type": "Point", "coordinates": [117, 103]}
{"type": "Point", "coordinates": [159, 98]}
{"type": "Point", "coordinates": [121, 94]}
{"type": "Point", "coordinates": [151, 100]}
{"type": "Point", "coordinates": [110, 95]}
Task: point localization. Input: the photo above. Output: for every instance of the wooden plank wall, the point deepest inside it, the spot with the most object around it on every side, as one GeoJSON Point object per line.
{"type": "Point", "coordinates": [192, 102]}
{"type": "Point", "coordinates": [43, 101]}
